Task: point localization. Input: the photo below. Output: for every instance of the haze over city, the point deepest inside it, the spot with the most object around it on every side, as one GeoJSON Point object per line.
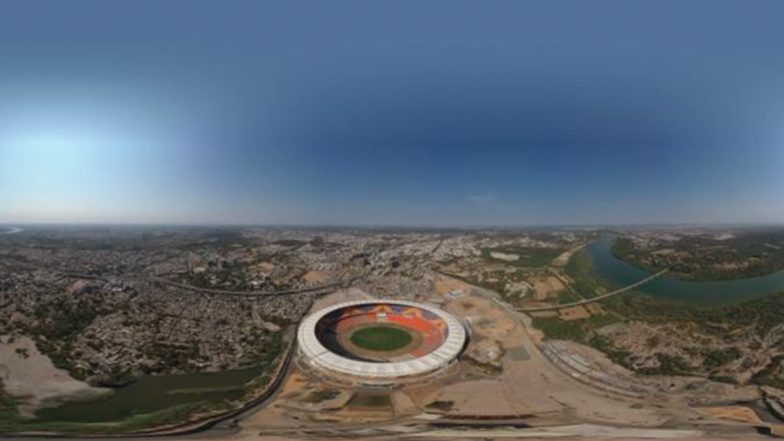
{"type": "Point", "coordinates": [404, 113]}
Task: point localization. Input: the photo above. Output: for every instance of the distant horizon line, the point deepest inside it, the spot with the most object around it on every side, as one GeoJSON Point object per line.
{"type": "Point", "coordinates": [398, 226]}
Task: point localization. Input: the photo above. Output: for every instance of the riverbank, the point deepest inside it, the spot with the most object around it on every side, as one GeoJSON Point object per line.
{"type": "Point", "coordinates": [710, 293]}
{"type": "Point", "coordinates": [28, 374]}
{"type": "Point", "coordinates": [726, 341]}
{"type": "Point", "coordinates": [200, 406]}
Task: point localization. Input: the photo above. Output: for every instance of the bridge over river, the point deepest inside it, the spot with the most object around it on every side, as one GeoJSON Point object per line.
{"type": "Point", "coordinates": [594, 299]}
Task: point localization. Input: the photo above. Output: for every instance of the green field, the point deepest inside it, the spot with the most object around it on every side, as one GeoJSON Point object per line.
{"type": "Point", "coordinates": [381, 338]}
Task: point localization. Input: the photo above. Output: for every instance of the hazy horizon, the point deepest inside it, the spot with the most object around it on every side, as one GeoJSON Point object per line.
{"type": "Point", "coordinates": [450, 114]}
{"type": "Point", "coordinates": [467, 227]}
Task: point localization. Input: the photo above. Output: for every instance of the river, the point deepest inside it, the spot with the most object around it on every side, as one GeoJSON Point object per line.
{"type": "Point", "coordinates": [10, 230]}
{"type": "Point", "coordinates": [623, 273]}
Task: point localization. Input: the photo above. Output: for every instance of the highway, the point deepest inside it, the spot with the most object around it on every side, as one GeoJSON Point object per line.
{"type": "Point", "coordinates": [597, 298]}
{"type": "Point", "coordinates": [224, 292]}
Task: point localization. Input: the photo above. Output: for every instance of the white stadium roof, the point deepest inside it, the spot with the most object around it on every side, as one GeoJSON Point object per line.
{"type": "Point", "coordinates": [320, 356]}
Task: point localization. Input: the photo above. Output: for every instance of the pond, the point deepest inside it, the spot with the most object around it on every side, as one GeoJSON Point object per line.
{"type": "Point", "coordinates": [154, 393]}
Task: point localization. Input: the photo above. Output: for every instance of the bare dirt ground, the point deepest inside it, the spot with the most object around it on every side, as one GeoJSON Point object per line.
{"type": "Point", "coordinates": [316, 277]}
{"type": "Point", "coordinates": [444, 285]}
{"type": "Point", "coordinates": [734, 413]}
{"type": "Point", "coordinates": [546, 287]}
{"type": "Point", "coordinates": [28, 374]}
{"type": "Point", "coordinates": [574, 313]}
{"type": "Point", "coordinates": [529, 384]}
{"type": "Point", "coordinates": [563, 259]}
{"type": "Point", "coordinates": [696, 392]}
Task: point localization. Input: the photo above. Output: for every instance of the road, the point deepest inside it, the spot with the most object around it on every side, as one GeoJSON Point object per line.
{"type": "Point", "coordinates": [221, 292]}
{"type": "Point", "coordinates": [225, 292]}
{"type": "Point", "coordinates": [597, 298]}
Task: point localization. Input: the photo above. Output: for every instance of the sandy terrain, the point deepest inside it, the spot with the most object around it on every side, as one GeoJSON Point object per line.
{"type": "Point", "coordinates": [574, 313]}
{"type": "Point", "coordinates": [446, 284]}
{"type": "Point", "coordinates": [546, 286]}
{"type": "Point", "coordinates": [529, 384]}
{"type": "Point", "coordinates": [316, 277]}
{"type": "Point", "coordinates": [564, 257]}
{"type": "Point", "coordinates": [266, 267]}
{"type": "Point", "coordinates": [734, 413]}
{"type": "Point", "coordinates": [28, 374]}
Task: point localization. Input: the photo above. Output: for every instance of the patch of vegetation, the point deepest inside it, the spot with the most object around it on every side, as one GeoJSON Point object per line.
{"type": "Point", "coordinates": [579, 330]}
{"type": "Point", "coordinates": [723, 379]}
{"type": "Point", "coordinates": [370, 400]}
{"type": "Point", "coordinates": [174, 357]}
{"type": "Point", "coordinates": [772, 374]}
{"type": "Point", "coordinates": [318, 396]}
{"type": "Point", "coordinates": [209, 397]}
{"type": "Point", "coordinates": [381, 338]}
{"type": "Point", "coordinates": [719, 357]}
{"type": "Point", "coordinates": [760, 314]}
{"type": "Point", "coordinates": [556, 329]}
{"type": "Point", "coordinates": [756, 317]}
{"type": "Point", "coordinates": [566, 297]}
{"type": "Point", "coordinates": [58, 323]}
{"type": "Point", "coordinates": [528, 257]}
{"type": "Point", "coordinates": [668, 365]}
{"type": "Point", "coordinates": [618, 356]}
{"type": "Point", "coordinates": [9, 410]}
{"type": "Point", "coordinates": [704, 257]}
{"type": "Point", "coordinates": [599, 320]}
{"type": "Point", "coordinates": [271, 345]}
{"type": "Point", "coordinates": [441, 405]}
{"type": "Point", "coordinates": [585, 279]}
{"type": "Point", "coordinates": [132, 424]}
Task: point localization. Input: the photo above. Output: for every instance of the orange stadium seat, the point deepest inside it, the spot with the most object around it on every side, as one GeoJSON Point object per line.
{"type": "Point", "coordinates": [432, 331]}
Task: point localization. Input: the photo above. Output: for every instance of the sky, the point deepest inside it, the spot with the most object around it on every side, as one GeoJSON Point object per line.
{"type": "Point", "coordinates": [410, 113]}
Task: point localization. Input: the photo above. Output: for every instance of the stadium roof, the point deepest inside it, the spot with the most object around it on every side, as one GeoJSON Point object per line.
{"type": "Point", "coordinates": [320, 356]}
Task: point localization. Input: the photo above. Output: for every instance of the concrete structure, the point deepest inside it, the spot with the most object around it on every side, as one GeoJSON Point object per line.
{"type": "Point", "coordinates": [312, 349]}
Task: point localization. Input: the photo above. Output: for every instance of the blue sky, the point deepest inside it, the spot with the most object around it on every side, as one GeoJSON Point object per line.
{"type": "Point", "coordinates": [392, 113]}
